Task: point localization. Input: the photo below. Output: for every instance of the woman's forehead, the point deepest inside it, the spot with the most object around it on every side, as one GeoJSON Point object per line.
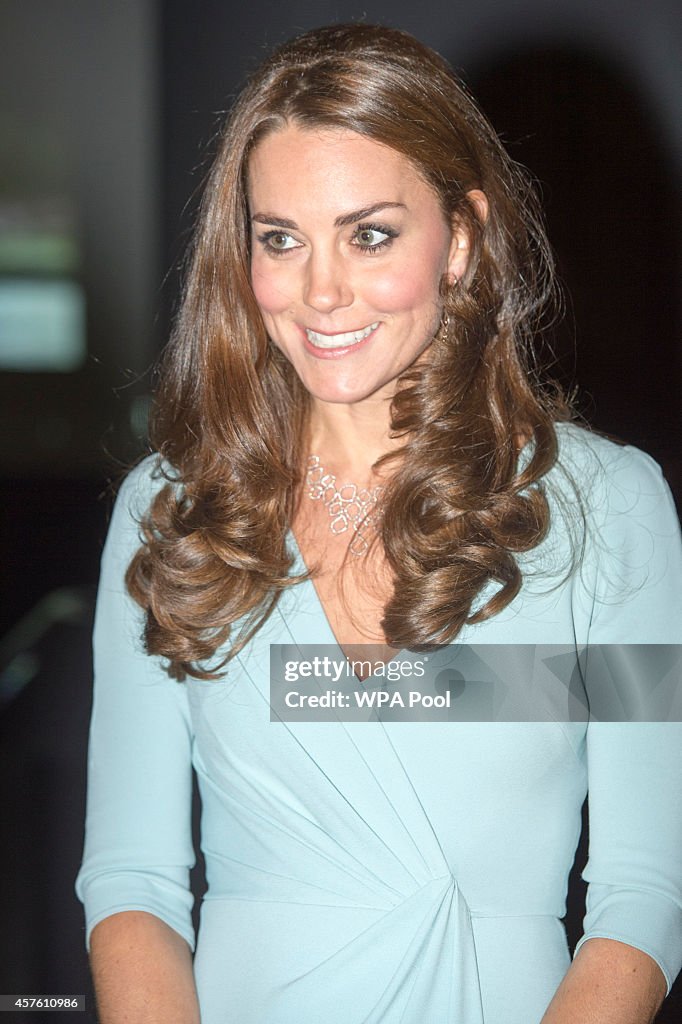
{"type": "Point", "coordinates": [330, 167]}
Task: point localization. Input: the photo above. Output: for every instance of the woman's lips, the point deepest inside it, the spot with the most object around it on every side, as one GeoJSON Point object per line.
{"type": "Point", "coordinates": [344, 340]}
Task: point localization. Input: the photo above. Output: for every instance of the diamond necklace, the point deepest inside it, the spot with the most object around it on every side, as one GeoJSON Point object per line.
{"type": "Point", "coordinates": [349, 506]}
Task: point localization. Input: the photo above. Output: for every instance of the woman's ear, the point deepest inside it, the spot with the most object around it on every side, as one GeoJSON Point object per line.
{"type": "Point", "coordinates": [460, 248]}
{"type": "Point", "coordinates": [479, 201]}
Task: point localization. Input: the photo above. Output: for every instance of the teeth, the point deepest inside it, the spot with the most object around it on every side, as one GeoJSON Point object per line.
{"type": "Point", "coordinates": [339, 340]}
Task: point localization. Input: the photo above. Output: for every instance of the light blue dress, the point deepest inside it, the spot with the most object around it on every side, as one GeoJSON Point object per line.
{"type": "Point", "coordinates": [404, 872]}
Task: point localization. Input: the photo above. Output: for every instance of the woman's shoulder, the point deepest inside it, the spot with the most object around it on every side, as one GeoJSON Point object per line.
{"type": "Point", "coordinates": [134, 498]}
{"type": "Point", "coordinates": [630, 545]}
{"type": "Point", "coordinates": [607, 478]}
{"type": "Point", "coordinates": [611, 513]}
{"type": "Point", "coordinates": [583, 450]}
{"type": "Point", "coordinates": [143, 482]}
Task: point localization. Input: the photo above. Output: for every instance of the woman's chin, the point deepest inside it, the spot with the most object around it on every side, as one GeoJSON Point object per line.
{"type": "Point", "coordinates": [345, 394]}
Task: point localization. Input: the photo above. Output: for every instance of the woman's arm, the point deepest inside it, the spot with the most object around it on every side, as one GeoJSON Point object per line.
{"type": "Point", "coordinates": [631, 949]}
{"type": "Point", "coordinates": [134, 879]}
{"type": "Point", "coordinates": [609, 982]}
{"type": "Point", "coordinates": [142, 971]}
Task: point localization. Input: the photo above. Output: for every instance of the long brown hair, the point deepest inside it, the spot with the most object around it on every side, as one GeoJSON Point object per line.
{"type": "Point", "coordinates": [231, 414]}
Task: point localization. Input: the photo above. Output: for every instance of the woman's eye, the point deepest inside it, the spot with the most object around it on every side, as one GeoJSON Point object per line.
{"type": "Point", "coordinates": [278, 241]}
{"type": "Point", "coordinates": [371, 237]}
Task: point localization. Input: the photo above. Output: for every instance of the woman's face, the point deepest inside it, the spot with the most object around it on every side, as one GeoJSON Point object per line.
{"type": "Point", "coordinates": [349, 247]}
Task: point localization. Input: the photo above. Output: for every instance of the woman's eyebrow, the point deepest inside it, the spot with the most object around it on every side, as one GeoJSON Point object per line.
{"type": "Point", "coordinates": [352, 218]}
{"type": "Point", "coordinates": [340, 222]}
{"type": "Point", "coordinates": [278, 222]}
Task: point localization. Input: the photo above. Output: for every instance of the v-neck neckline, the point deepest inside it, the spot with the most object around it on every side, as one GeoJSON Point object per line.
{"type": "Point", "coordinates": [300, 567]}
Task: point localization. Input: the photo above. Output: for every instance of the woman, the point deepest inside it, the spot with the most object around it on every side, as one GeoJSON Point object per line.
{"type": "Point", "coordinates": [354, 451]}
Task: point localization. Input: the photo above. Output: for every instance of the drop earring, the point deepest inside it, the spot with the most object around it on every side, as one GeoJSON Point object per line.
{"type": "Point", "coordinates": [444, 328]}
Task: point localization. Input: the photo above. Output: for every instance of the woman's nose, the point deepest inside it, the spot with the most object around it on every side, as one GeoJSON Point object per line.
{"type": "Point", "coordinates": [327, 285]}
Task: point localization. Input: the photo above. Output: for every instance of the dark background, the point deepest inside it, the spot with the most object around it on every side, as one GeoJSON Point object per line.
{"type": "Point", "coordinates": [111, 108]}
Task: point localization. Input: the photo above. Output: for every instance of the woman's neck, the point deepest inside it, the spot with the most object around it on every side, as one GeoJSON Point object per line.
{"type": "Point", "coordinates": [349, 439]}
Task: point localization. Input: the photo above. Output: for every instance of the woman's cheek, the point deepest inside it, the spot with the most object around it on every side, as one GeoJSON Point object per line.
{"type": "Point", "coordinates": [270, 290]}
{"type": "Point", "coordinates": [407, 290]}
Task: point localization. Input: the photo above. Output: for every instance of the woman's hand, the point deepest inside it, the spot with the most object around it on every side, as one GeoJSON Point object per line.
{"type": "Point", "coordinates": [142, 971]}
{"type": "Point", "coordinates": [609, 982]}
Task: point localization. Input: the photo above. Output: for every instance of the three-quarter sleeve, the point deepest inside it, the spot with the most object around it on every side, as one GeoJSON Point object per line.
{"type": "Point", "coordinates": [634, 870]}
{"type": "Point", "coordinates": [138, 844]}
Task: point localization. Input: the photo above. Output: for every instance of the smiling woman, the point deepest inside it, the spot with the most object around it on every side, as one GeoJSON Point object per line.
{"type": "Point", "coordinates": [352, 449]}
{"type": "Point", "coordinates": [323, 148]}
{"type": "Point", "coordinates": [352, 302]}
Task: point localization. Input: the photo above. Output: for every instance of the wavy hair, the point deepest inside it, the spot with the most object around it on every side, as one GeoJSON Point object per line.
{"type": "Point", "coordinates": [231, 415]}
